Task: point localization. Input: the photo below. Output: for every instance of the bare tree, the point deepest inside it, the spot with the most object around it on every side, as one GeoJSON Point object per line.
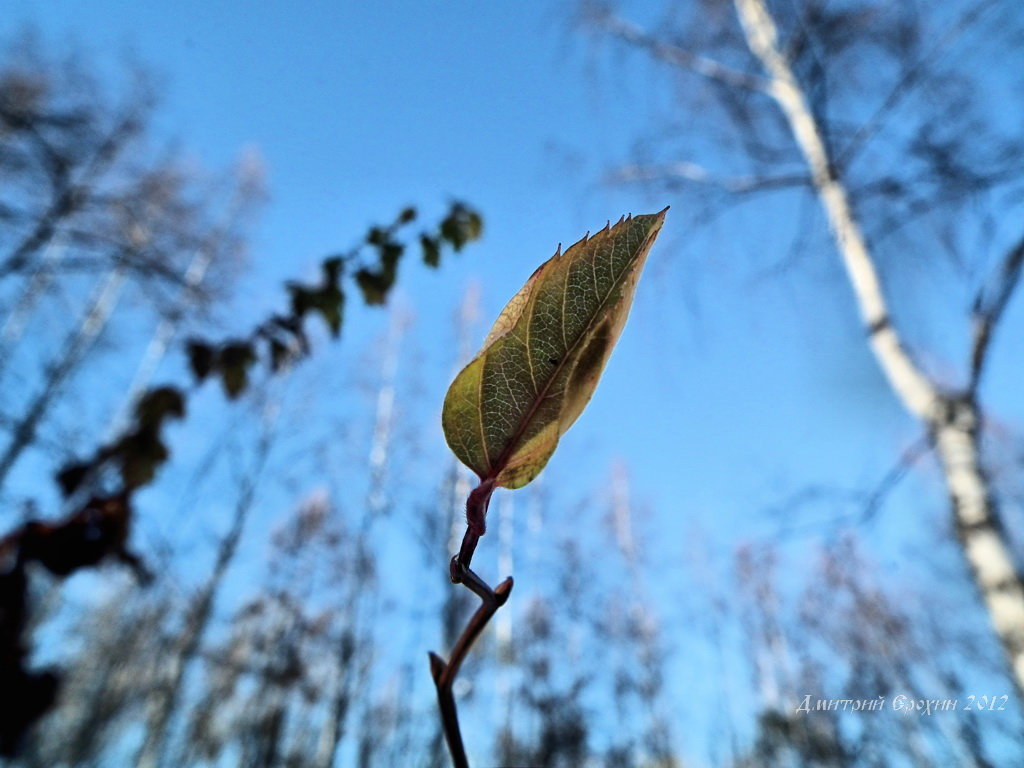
{"type": "Point", "coordinates": [849, 636]}
{"type": "Point", "coordinates": [882, 115]}
{"type": "Point", "coordinates": [165, 699]}
{"type": "Point", "coordinates": [89, 208]}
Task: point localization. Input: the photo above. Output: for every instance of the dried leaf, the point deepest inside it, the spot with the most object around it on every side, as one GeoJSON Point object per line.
{"type": "Point", "coordinates": [505, 412]}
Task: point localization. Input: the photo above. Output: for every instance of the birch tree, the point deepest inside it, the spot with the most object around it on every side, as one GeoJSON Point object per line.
{"type": "Point", "coordinates": [883, 115]}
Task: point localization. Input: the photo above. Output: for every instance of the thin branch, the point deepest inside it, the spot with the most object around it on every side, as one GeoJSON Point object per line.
{"type": "Point", "coordinates": [490, 601]}
{"type": "Point", "coordinates": [952, 421]}
{"type": "Point", "coordinates": [912, 386]}
{"type": "Point", "coordinates": [905, 85]}
{"type": "Point", "coordinates": [987, 314]}
{"type": "Point", "coordinates": [868, 503]}
{"type": "Point", "coordinates": [444, 673]}
{"type": "Point", "coordinates": [698, 174]}
{"type": "Point", "coordinates": [69, 195]}
{"type": "Point", "coordinates": [630, 33]}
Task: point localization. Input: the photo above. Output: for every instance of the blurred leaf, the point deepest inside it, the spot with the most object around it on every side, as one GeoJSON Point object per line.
{"type": "Point", "coordinates": [431, 250]}
{"type": "Point", "coordinates": [390, 253]}
{"type": "Point", "coordinates": [462, 225]}
{"type": "Point", "coordinates": [279, 355]}
{"type": "Point", "coordinates": [374, 285]}
{"type": "Point", "coordinates": [302, 299]}
{"type": "Point", "coordinates": [332, 269]}
{"type": "Point", "coordinates": [200, 359]}
{"type": "Point", "coordinates": [233, 362]}
{"type": "Point", "coordinates": [140, 454]}
{"type": "Point", "coordinates": [330, 305]}
{"type": "Point", "coordinates": [157, 404]}
{"type": "Point", "coordinates": [505, 412]}
{"type": "Point", "coordinates": [377, 236]}
{"type": "Point", "coordinates": [71, 476]}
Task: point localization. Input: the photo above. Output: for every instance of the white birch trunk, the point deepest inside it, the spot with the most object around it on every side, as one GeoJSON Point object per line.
{"type": "Point", "coordinates": [953, 423]}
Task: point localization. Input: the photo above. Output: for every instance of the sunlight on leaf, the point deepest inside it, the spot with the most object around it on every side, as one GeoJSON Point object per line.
{"type": "Point", "coordinates": [505, 412]}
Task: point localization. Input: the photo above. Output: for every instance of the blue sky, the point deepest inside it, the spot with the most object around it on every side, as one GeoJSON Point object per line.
{"type": "Point", "coordinates": [726, 393]}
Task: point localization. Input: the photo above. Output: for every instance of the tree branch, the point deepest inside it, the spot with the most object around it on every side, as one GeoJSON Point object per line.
{"type": "Point", "coordinates": [911, 385]}
{"type": "Point", "coordinates": [907, 82]}
{"type": "Point", "coordinates": [698, 174]}
{"type": "Point", "coordinates": [987, 314]}
{"type": "Point", "coordinates": [953, 421]}
{"type": "Point", "coordinates": [630, 33]}
{"type": "Point", "coordinates": [444, 673]}
{"type": "Point", "coordinates": [490, 601]}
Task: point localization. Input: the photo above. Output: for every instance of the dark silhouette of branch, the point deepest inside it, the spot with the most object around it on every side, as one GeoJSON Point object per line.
{"type": "Point", "coordinates": [868, 503]}
{"type": "Point", "coordinates": [73, 162]}
{"type": "Point", "coordinates": [988, 311]}
{"type": "Point", "coordinates": [911, 77]}
{"type": "Point", "coordinates": [85, 538]}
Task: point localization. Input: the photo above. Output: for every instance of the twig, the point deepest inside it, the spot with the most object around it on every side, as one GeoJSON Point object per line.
{"type": "Point", "coordinates": [907, 82]}
{"type": "Point", "coordinates": [705, 66]}
{"type": "Point", "coordinates": [987, 314]}
{"type": "Point", "coordinates": [685, 171]}
{"type": "Point", "coordinates": [490, 601]}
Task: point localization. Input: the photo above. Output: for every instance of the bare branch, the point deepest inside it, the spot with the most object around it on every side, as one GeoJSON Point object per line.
{"type": "Point", "coordinates": [916, 391]}
{"type": "Point", "coordinates": [70, 195]}
{"type": "Point", "coordinates": [988, 313]}
{"type": "Point", "coordinates": [630, 33]}
{"type": "Point", "coordinates": [911, 77]}
{"type": "Point", "coordinates": [867, 503]}
{"type": "Point", "coordinates": [692, 172]}
{"type": "Point", "coordinates": [952, 421]}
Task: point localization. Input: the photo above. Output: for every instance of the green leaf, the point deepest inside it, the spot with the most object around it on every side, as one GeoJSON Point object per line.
{"type": "Point", "coordinates": [461, 225]}
{"type": "Point", "coordinates": [505, 412]}
{"type": "Point", "coordinates": [141, 452]}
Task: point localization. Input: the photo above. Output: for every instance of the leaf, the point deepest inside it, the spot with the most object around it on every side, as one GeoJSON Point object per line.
{"type": "Point", "coordinates": [279, 354]}
{"type": "Point", "coordinates": [461, 225]}
{"type": "Point", "coordinates": [200, 358]}
{"type": "Point", "coordinates": [71, 476]}
{"type": "Point", "coordinates": [431, 250]}
{"type": "Point", "coordinates": [330, 302]}
{"type": "Point", "coordinates": [302, 299]}
{"type": "Point", "coordinates": [505, 412]}
{"type": "Point", "coordinates": [159, 403]}
{"type": "Point", "coordinates": [233, 361]}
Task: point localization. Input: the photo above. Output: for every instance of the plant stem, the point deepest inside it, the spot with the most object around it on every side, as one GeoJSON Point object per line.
{"type": "Point", "coordinates": [490, 601]}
